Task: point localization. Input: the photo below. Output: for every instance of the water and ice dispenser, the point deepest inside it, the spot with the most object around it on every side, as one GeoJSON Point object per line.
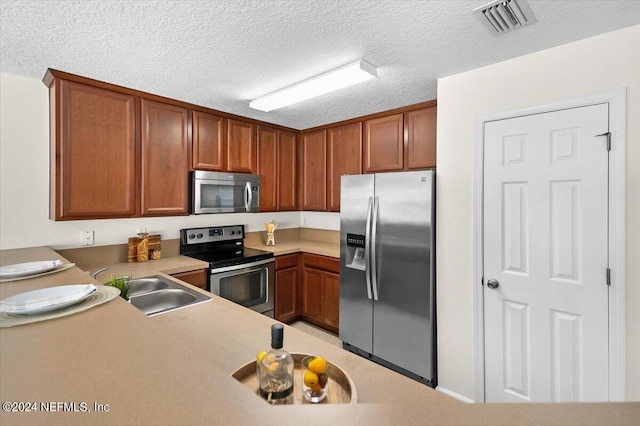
{"type": "Point", "coordinates": [355, 252]}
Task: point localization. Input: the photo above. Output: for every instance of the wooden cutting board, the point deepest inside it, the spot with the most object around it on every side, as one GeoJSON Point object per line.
{"type": "Point", "coordinates": [155, 243]}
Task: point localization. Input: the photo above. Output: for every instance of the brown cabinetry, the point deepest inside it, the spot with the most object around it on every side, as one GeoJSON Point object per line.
{"type": "Point", "coordinates": [344, 157]}
{"type": "Point", "coordinates": [115, 153]}
{"type": "Point", "coordinates": [165, 159]}
{"type": "Point", "coordinates": [320, 291]}
{"type": "Point", "coordinates": [403, 141]}
{"type": "Point", "coordinates": [420, 128]}
{"type": "Point", "coordinates": [209, 142]}
{"type": "Point", "coordinates": [287, 171]}
{"type": "Point", "coordinates": [267, 167]}
{"type": "Point", "coordinates": [93, 152]}
{"type": "Point", "coordinates": [241, 146]}
{"type": "Point", "coordinates": [384, 144]}
{"type": "Point", "coordinates": [313, 176]}
{"type": "Point", "coordinates": [286, 292]}
{"type": "Point", "coordinates": [277, 169]}
{"type": "Point", "coordinates": [198, 278]}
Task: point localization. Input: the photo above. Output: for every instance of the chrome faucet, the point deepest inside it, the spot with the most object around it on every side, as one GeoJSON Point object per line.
{"type": "Point", "coordinates": [95, 274]}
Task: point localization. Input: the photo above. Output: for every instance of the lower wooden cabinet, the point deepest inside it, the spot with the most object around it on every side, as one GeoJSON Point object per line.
{"type": "Point", "coordinates": [320, 291]}
{"type": "Point", "coordinates": [198, 278]}
{"type": "Point", "coordinates": [308, 287]}
{"type": "Point", "coordinates": [286, 294]}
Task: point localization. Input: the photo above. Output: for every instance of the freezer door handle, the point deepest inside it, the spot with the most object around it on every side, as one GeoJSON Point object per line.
{"type": "Point", "coordinates": [367, 248]}
{"type": "Point", "coordinates": [374, 237]}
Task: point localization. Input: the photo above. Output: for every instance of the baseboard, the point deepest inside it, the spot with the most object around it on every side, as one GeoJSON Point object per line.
{"type": "Point", "coordinates": [455, 395]}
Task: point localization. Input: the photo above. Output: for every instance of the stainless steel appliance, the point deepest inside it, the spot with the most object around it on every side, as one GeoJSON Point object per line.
{"type": "Point", "coordinates": [216, 192]}
{"type": "Point", "coordinates": [240, 274]}
{"type": "Point", "coordinates": [387, 276]}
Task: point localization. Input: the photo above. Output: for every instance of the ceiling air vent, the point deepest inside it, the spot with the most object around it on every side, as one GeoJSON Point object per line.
{"type": "Point", "coordinates": [505, 15]}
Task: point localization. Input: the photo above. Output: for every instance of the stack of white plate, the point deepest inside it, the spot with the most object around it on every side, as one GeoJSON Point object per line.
{"type": "Point", "coordinates": [46, 299]}
{"type": "Point", "coordinates": [19, 270]}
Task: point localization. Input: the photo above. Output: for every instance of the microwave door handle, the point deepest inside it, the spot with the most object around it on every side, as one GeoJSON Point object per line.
{"type": "Point", "coordinates": [367, 249]}
{"type": "Point", "coordinates": [248, 197]}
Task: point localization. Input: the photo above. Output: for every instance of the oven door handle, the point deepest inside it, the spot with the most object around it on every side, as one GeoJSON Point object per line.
{"type": "Point", "coordinates": [241, 266]}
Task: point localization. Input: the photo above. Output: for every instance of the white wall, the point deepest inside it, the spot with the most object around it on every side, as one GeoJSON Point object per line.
{"type": "Point", "coordinates": [604, 62]}
{"type": "Point", "coordinates": [24, 180]}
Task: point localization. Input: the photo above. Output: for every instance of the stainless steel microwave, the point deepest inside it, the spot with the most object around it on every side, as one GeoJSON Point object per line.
{"type": "Point", "coordinates": [218, 192]}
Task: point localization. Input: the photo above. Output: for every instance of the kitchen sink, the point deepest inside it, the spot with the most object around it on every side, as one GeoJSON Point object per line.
{"type": "Point", "coordinates": [158, 295]}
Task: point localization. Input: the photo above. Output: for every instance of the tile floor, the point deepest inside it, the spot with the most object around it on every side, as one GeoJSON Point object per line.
{"type": "Point", "coordinates": [317, 332]}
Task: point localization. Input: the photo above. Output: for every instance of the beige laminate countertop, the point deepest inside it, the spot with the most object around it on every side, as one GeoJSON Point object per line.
{"type": "Point", "coordinates": [176, 368]}
{"type": "Point", "coordinates": [308, 246]}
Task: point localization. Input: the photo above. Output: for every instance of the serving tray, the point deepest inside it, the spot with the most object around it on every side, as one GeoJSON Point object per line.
{"type": "Point", "coordinates": [340, 388]}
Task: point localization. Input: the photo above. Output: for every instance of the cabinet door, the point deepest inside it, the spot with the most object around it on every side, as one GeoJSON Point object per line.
{"type": "Point", "coordinates": [198, 278]}
{"type": "Point", "coordinates": [286, 175]}
{"type": "Point", "coordinates": [313, 149]}
{"type": "Point", "coordinates": [312, 298]}
{"type": "Point", "coordinates": [209, 147]}
{"type": "Point", "coordinates": [286, 303]}
{"type": "Point", "coordinates": [344, 157]}
{"type": "Point", "coordinates": [93, 153]}
{"type": "Point", "coordinates": [165, 159]}
{"type": "Point", "coordinates": [267, 165]}
{"type": "Point", "coordinates": [241, 147]}
{"type": "Point", "coordinates": [384, 144]}
{"type": "Point", "coordinates": [331, 288]}
{"type": "Point", "coordinates": [421, 138]}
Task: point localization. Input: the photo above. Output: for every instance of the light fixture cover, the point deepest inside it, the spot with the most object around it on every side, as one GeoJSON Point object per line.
{"type": "Point", "coordinates": [325, 83]}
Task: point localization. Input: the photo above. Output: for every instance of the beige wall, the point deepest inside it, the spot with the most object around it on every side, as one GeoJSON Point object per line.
{"type": "Point", "coordinates": [604, 62]}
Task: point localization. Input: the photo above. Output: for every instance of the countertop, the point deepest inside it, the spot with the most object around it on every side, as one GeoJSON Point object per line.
{"type": "Point", "coordinates": [176, 368]}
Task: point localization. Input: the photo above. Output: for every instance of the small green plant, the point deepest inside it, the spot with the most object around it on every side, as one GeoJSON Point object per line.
{"type": "Point", "coordinates": [122, 284]}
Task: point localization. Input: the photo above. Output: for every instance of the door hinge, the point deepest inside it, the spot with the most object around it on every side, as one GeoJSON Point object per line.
{"type": "Point", "coordinates": [608, 135]}
{"type": "Point", "coordinates": [608, 276]}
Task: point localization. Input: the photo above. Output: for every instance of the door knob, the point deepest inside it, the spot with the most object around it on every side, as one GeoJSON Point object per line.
{"type": "Point", "coordinates": [493, 284]}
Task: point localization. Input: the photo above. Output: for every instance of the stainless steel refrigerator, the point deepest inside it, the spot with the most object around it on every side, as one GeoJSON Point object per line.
{"type": "Point", "coordinates": [387, 270]}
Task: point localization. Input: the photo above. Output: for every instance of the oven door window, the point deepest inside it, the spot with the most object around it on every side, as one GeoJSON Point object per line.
{"type": "Point", "coordinates": [221, 196]}
{"type": "Point", "coordinates": [247, 287]}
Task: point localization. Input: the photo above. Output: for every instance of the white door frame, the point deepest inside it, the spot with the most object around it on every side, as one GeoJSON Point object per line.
{"type": "Point", "coordinates": [617, 99]}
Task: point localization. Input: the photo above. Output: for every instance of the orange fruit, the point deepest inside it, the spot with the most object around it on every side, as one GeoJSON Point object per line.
{"type": "Point", "coordinates": [311, 379]}
{"type": "Point", "coordinates": [318, 365]}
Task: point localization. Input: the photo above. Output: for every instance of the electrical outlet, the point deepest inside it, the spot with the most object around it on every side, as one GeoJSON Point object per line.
{"type": "Point", "coordinates": [87, 238]}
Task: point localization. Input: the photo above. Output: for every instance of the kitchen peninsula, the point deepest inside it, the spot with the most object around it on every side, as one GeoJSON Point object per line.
{"type": "Point", "coordinates": [176, 368]}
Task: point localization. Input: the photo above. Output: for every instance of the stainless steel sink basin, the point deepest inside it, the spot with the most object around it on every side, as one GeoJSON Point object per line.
{"type": "Point", "coordinates": [157, 295]}
{"type": "Point", "coordinates": [146, 285]}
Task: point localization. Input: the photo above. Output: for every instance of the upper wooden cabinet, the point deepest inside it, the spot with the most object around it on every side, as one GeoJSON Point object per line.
{"type": "Point", "coordinates": [241, 146]}
{"type": "Point", "coordinates": [209, 142]}
{"type": "Point", "coordinates": [277, 169]}
{"type": "Point", "coordinates": [93, 152]}
{"type": "Point", "coordinates": [165, 159]}
{"type": "Point", "coordinates": [267, 167]}
{"type": "Point", "coordinates": [384, 144]}
{"type": "Point", "coordinates": [313, 165]}
{"type": "Point", "coordinates": [344, 152]}
{"type": "Point", "coordinates": [420, 128]}
{"type": "Point", "coordinates": [287, 170]}
{"type": "Point", "coordinates": [403, 141]}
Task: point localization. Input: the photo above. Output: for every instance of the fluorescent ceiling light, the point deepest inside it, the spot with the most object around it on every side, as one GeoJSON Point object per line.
{"type": "Point", "coordinates": [325, 83]}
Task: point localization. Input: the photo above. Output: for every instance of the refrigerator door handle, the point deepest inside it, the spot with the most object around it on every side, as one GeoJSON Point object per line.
{"type": "Point", "coordinates": [374, 236]}
{"type": "Point", "coordinates": [367, 248]}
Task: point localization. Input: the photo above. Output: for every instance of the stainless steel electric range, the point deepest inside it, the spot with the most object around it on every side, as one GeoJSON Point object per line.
{"type": "Point", "coordinates": [240, 274]}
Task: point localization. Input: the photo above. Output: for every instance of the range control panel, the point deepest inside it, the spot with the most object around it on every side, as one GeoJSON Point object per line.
{"type": "Point", "coordinates": [213, 234]}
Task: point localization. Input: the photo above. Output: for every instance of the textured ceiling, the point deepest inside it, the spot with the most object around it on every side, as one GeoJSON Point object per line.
{"type": "Point", "coordinates": [222, 54]}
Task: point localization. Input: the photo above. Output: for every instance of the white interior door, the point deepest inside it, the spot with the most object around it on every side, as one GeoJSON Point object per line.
{"type": "Point", "coordinates": [545, 247]}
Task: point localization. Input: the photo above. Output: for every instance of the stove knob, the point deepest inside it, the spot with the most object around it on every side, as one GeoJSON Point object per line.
{"type": "Point", "coordinates": [199, 235]}
{"type": "Point", "coordinates": [191, 236]}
